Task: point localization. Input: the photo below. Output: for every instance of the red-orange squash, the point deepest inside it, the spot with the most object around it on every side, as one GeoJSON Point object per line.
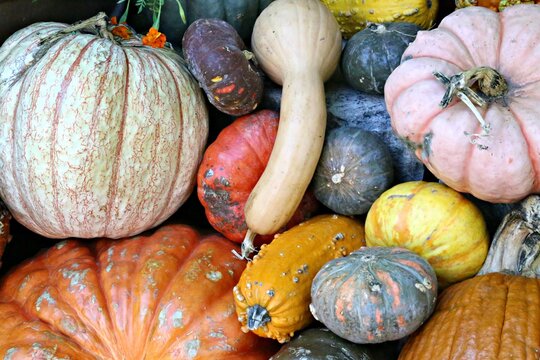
{"type": "Point", "coordinates": [493, 150]}
{"type": "Point", "coordinates": [99, 137]}
{"type": "Point", "coordinates": [488, 317]}
{"type": "Point", "coordinates": [230, 169]}
{"type": "Point", "coordinates": [162, 295]}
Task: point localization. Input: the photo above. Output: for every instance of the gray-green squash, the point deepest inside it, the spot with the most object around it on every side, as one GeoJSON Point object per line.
{"type": "Point", "coordinates": [374, 52]}
{"type": "Point", "coordinates": [322, 344]}
{"type": "Point", "coordinates": [354, 169]}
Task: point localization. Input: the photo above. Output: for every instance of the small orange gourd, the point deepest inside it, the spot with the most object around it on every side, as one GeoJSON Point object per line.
{"type": "Point", "coordinates": [274, 292]}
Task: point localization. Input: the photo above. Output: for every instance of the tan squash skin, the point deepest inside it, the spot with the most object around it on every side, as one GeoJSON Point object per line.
{"type": "Point", "coordinates": [298, 44]}
{"type": "Point", "coordinates": [277, 283]}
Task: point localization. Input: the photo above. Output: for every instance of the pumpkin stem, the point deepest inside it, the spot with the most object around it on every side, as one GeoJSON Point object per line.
{"type": "Point", "coordinates": [96, 24]}
{"type": "Point", "coordinates": [490, 86]}
{"type": "Point", "coordinates": [257, 317]}
{"type": "Point", "coordinates": [247, 246]}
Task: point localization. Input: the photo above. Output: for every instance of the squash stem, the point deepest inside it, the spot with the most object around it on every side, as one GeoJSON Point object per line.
{"type": "Point", "coordinates": [95, 24]}
{"type": "Point", "coordinates": [490, 86]}
{"type": "Point", "coordinates": [247, 246]}
{"type": "Point", "coordinates": [257, 317]}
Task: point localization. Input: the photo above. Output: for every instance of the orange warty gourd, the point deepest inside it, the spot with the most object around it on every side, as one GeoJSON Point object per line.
{"type": "Point", "coordinates": [435, 222]}
{"type": "Point", "coordinates": [488, 317]}
{"type": "Point", "coordinates": [161, 295]}
{"type": "Point", "coordinates": [273, 294]}
{"type": "Point", "coordinates": [468, 106]}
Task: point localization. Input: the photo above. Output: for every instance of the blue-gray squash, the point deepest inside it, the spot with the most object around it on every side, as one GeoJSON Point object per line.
{"type": "Point", "coordinates": [354, 169]}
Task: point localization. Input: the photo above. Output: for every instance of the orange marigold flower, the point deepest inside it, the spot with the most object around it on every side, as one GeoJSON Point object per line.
{"type": "Point", "coordinates": [121, 31]}
{"type": "Point", "coordinates": [114, 20]}
{"type": "Point", "coordinates": [154, 38]}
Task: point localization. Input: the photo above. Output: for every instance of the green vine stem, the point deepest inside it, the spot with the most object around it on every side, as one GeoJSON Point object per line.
{"type": "Point", "coordinates": [154, 6]}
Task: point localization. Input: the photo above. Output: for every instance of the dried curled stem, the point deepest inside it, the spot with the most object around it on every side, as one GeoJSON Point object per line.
{"type": "Point", "coordinates": [489, 83]}
{"type": "Point", "coordinates": [96, 24]}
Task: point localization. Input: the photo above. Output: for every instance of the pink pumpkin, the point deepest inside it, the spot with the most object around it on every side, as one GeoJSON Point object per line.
{"type": "Point", "coordinates": [494, 154]}
{"type": "Point", "coordinates": [98, 136]}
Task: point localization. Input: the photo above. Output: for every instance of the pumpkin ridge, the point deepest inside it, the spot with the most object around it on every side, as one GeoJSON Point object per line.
{"type": "Point", "coordinates": [254, 150]}
{"type": "Point", "coordinates": [46, 69]}
{"type": "Point", "coordinates": [501, 333]}
{"type": "Point", "coordinates": [181, 267]}
{"type": "Point", "coordinates": [66, 81]}
{"type": "Point", "coordinates": [531, 153]}
{"type": "Point", "coordinates": [175, 177]}
{"type": "Point", "coordinates": [113, 184]}
{"type": "Point", "coordinates": [99, 97]}
{"type": "Point", "coordinates": [100, 266]}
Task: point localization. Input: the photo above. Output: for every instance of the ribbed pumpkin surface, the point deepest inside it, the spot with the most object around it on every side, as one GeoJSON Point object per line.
{"type": "Point", "coordinates": [97, 138]}
{"type": "Point", "coordinates": [488, 317]}
{"type": "Point", "coordinates": [164, 295]}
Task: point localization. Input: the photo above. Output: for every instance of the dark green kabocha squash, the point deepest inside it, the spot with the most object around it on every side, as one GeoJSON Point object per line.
{"type": "Point", "coordinates": [374, 52]}
{"type": "Point", "coordinates": [375, 294]}
{"type": "Point", "coordinates": [354, 169]}
{"type": "Point", "coordinates": [241, 14]}
{"type": "Point", "coordinates": [322, 344]}
{"type": "Point", "coordinates": [217, 58]}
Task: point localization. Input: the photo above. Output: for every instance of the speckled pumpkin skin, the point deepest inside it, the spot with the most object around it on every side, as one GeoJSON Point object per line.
{"type": "Point", "coordinates": [280, 275]}
{"type": "Point", "coordinates": [353, 15]}
{"type": "Point", "coordinates": [434, 221]}
{"type": "Point", "coordinates": [164, 295]}
{"type": "Point", "coordinates": [375, 294]}
{"type": "Point", "coordinates": [488, 317]}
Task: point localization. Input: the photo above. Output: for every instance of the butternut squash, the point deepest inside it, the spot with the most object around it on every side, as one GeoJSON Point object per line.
{"type": "Point", "coordinates": [273, 294]}
{"type": "Point", "coordinates": [297, 43]}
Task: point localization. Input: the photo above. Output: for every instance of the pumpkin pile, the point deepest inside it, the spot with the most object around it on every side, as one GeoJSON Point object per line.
{"type": "Point", "coordinates": [281, 179]}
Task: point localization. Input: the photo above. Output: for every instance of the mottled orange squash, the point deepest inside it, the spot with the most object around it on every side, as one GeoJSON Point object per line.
{"type": "Point", "coordinates": [434, 221]}
{"type": "Point", "coordinates": [273, 294]}
{"type": "Point", "coordinates": [488, 317]}
{"type": "Point", "coordinates": [164, 295]}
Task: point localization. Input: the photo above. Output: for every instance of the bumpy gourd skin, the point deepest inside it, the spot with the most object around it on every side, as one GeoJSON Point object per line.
{"type": "Point", "coordinates": [354, 15]}
{"type": "Point", "coordinates": [273, 294]}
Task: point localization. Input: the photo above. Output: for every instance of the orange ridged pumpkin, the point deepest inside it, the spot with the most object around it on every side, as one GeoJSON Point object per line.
{"type": "Point", "coordinates": [161, 295]}
{"type": "Point", "coordinates": [435, 222]}
{"type": "Point", "coordinates": [487, 317]}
